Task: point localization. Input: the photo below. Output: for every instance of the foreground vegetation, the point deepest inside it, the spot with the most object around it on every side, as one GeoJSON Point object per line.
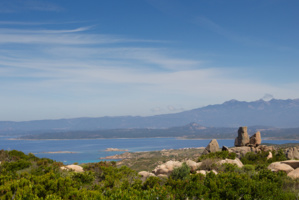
{"type": "Point", "coordinates": [28, 177]}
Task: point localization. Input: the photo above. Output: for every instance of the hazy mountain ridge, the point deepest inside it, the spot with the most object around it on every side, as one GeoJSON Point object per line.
{"type": "Point", "coordinates": [233, 113]}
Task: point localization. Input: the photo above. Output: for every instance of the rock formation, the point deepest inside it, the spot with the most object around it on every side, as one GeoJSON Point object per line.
{"type": "Point", "coordinates": [255, 140]}
{"type": "Point", "coordinates": [213, 146]}
{"type": "Point", "coordinates": [243, 138]}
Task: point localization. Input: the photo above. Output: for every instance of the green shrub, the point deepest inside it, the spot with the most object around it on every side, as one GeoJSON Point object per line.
{"type": "Point", "coordinates": [17, 165]}
{"type": "Point", "coordinates": [219, 154]}
{"type": "Point", "coordinates": [181, 173]}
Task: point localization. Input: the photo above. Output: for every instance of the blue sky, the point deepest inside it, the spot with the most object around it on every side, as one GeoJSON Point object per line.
{"type": "Point", "coordinates": [65, 59]}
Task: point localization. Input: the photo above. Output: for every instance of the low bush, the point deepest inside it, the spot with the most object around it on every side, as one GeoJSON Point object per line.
{"type": "Point", "coordinates": [181, 173]}
{"type": "Point", "coordinates": [218, 155]}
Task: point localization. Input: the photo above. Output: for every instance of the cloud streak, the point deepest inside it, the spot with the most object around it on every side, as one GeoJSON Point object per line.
{"type": "Point", "coordinates": [55, 67]}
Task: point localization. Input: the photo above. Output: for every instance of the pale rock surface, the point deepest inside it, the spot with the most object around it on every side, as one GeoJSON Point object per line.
{"type": "Point", "coordinates": [193, 165]}
{"type": "Point", "coordinates": [145, 174]}
{"type": "Point", "coordinates": [76, 168]}
{"type": "Point", "coordinates": [162, 176]}
{"type": "Point", "coordinates": [294, 174]}
{"type": "Point", "coordinates": [241, 151]}
{"type": "Point", "coordinates": [167, 167]}
{"type": "Point", "coordinates": [292, 153]}
{"type": "Point", "coordinates": [292, 163]}
{"type": "Point", "coordinates": [204, 172]}
{"type": "Point", "coordinates": [230, 161]}
{"type": "Point", "coordinates": [278, 166]}
{"type": "Point", "coordinates": [269, 156]}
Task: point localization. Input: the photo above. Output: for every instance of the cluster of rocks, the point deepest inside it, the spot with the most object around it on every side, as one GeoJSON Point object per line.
{"type": "Point", "coordinates": [244, 140]}
{"type": "Point", "coordinates": [165, 169]}
{"type": "Point", "coordinates": [243, 145]}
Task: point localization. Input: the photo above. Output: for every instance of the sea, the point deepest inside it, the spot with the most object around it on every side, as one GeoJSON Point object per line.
{"type": "Point", "coordinates": [92, 150]}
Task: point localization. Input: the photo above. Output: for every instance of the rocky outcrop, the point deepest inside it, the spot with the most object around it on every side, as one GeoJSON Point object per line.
{"type": "Point", "coordinates": [230, 161]}
{"type": "Point", "coordinates": [213, 146]}
{"type": "Point", "coordinates": [241, 151]}
{"type": "Point", "coordinates": [75, 168]}
{"type": "Point", "coordinates": [169, 166]}
{"type": "Point", "coordinates": [243, 138]}
{"type": "Point", "coordinates": [292, 153]}
{"type": "Point", "coordinates": [294, 174]}
{"type": "Point", "coordinates": [278, 166]}
{"type": "Point", "coordinates": [255, 140]}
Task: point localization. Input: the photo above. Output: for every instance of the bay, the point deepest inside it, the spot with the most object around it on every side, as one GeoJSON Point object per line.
{"type": "Point", "coordinates": [91, 150]}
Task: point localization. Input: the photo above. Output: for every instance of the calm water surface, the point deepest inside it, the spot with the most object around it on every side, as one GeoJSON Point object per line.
{"type": "Point", "coordinates": [92, 150]}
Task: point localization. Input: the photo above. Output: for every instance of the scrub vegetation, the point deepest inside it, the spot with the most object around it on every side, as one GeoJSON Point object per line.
{"type": "Point", "coordinates": [28, 177]}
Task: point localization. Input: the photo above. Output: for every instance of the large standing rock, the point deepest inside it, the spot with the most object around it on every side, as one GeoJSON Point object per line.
{"type": "Point", "coordinates": [292, 153]}
{"type": "Point", "coordinates": [256, 139]}
{"type": "Point", "coordinates": [278, 166]}
{"type": "Point", "coordinates": [213, 146]}
{"type": "Point", "coordinates": [294, 174]}
{"type": "Point", "coordinates": [243, 138]}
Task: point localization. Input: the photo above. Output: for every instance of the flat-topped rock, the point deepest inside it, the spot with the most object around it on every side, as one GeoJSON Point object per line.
{"type": "Point", "coordinates": [292, 163]}
{"type": "Point", "coordinates": [230, 161]}
{"type": "Point", "coordinates": [278, 166]}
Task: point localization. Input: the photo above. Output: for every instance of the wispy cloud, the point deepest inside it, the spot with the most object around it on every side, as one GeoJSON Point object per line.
{"type": "Point", "coordinates": [13, 6]}
{"type": "Point", "coordinates": [57, 67]}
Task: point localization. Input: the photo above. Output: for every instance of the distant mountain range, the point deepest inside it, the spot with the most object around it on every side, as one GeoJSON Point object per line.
{"type": "Point", "coordinates": [233, 113]}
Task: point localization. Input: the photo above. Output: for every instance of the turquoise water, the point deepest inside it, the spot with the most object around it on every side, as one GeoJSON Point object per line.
{"type": "Point", "coordinates": [92, 150]}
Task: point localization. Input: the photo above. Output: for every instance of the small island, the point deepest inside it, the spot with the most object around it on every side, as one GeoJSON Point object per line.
{"type": "Point", "coordinates": [54, 152]}
{"type": "Point", "coordinates": [116, 149]}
